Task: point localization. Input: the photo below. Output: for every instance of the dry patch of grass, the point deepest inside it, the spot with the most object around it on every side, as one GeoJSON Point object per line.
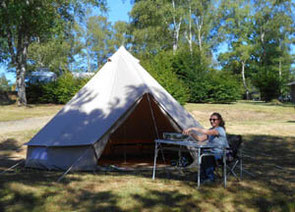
{"type": "Point", "coordinates": [249, 117]}
{"type": "Point", "coordinates": [13, 112]}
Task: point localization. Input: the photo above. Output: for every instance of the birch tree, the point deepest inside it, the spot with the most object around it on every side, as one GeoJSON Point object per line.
{"type": "Point", "coordinates": [177, 13]}
{"type": "Point", "coordinates": [238, 28]}
{"type": "Point", "coordinates": [157, 24]}
{"type": "Point", "coordinates": [274, 33]}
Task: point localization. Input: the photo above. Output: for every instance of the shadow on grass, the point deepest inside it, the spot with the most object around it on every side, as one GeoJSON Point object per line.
{"type": "Point", "coordinates": [30, 189]}
{"type": "Point", "coordinates": [95, 201]}
{"type": "Point", "coordinates": [291, 121]}
{"type": "Point", "coordinates": [262, 103]}
{"type": "Point", "coordinates": [270, 159]}
{"type": "Point", "coordinates": [44, 190]}
{"type": "Point", "coordinates": [167, 200]}
{"type": "Point", "coordinates": [9, 144]}
{"type": "Point", "coordinates": [7, 149]}
{"type": "Point", "coordinates": [272, 189]}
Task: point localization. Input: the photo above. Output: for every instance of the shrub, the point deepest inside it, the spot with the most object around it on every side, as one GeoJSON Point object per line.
{"type": "Point", "coordinates": [187, 78]}
{"type": "Point", "coordinates": [223, 87]}
{"type": "Point", "coordinates": [268, 84]}
{"type": "Point", "coordinates": [215, 87]}
{"type": "Point", "coordinates": [160, 67]}
{"type": "Point", "coordinates": [57, 92]}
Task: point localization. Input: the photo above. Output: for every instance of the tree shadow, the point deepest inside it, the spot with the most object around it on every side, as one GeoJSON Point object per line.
{"type": "Point", "coordinates": [44, 182]}
{"type": "Point", "coordinates": [167, 200]}
{"type": "Point", "coordinates": [8, 148]}
{"type": "Point", "coordinates": [95, 201]}
{"type": "Point", "coordinates": [269, 159]}
{"type": "Point", "coordinates": [266, 152]}
{"type": "Point", "coordinates": [262, 103]}
{"type": "Point", "coordinates": [9, 144]}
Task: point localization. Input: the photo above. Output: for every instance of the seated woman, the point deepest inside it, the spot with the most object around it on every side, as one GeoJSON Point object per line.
{"type": "Point", "coordinates": [216, 136]}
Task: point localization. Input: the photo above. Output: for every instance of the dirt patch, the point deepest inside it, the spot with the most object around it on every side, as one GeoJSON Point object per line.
{"type": "Point", "coordinates": [25, 124]}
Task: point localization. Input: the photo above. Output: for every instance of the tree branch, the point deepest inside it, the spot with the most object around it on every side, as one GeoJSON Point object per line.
{"type": "Point", "coordinates": [10, 46]}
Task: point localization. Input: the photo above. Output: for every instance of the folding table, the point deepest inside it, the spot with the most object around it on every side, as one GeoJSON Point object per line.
{"type": "Point", "coordinates": [194, 146]}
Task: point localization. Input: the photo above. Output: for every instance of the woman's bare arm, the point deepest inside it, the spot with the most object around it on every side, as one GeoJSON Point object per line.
{"type": "Point", "coordinates": [201, 130]}
{"type": "Point", "coordinates": [199, 137]}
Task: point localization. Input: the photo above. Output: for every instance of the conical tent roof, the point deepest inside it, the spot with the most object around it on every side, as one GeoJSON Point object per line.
{"type": "Point", "coordinates": [102, 102]}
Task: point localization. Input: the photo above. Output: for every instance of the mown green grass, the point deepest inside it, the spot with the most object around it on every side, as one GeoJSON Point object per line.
{"type": "Point", "coordinates": [269, 141]}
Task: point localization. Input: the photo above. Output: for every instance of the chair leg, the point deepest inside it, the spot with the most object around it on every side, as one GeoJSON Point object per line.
{"type": "Point", "coordinates": [241, 168]}
{"type": "Point", "coordinates": [232, 170]}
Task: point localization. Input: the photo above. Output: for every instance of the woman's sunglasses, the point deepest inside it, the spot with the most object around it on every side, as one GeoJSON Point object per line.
{"type": "Point", "coordinates": [213, 120]}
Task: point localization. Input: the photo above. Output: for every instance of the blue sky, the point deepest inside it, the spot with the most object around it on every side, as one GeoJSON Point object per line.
{"type": "Point", "coordinates": [117, 10]}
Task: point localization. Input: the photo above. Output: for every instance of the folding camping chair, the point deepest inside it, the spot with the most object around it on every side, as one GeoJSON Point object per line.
{"type": "Point", "coordinates": [234, 155]}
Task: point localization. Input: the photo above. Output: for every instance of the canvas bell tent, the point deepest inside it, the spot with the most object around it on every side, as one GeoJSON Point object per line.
{"type": "Point", "coordinates": [118, 113]}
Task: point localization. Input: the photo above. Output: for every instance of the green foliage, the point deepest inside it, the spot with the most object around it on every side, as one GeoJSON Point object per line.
{"type": "Point", "coordinates": [188, 64]}
{"type": "Point", "coordinates": [4, 85]}
{"type": "Point", "coordinates": [268, 84]}
{"type": "Point", "coordinates": [95, 39]}
{"type": "Point", "coordinates": [160, 67]}
{"type": "Point", "coordinates": [25, 22]}
{"type": "Point", "coordinates": [65, 35]}
{"type": "Point", "coordinates": [215, 87]}
{"type": "Point", "coordinates": [204, 85]}
{"type": "Point", "coordinates": [259, 34]}
{"type": "Point", "coordinates": [54, 54]}
{"type": "Point", "coordinates": [150, 25]}
{"type": "Point", "coordinates": [58, 92]}
{"type": "Point", "coordinates": [186, 78]}
{"type": "Point", "coordinates": [223, 87]}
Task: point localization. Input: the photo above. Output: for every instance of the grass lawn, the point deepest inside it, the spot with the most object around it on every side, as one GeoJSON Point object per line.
{"type": "Point", "coordinates": [13, 112]}
{"type": "Point", "coordinates": [269, 141]}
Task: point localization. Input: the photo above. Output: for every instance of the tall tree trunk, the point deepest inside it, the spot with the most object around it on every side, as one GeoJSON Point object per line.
{"type": "Point", "coordinates": [88, 61]}
{"type": "Point", "coordinates": [176, 28]}
{"type": "Point", "coordinates": [200, 37]}
{"type": "Point", "coordinates": [280, 68]}
{"type": "Point", "coordinates": [244, 80]}
{"type": "Point", "coordinates": [176, 36]}
{"type": "Point", "coordinates": [280, 74]}
{"type": "Point", "coordinates": [21, 66]}
{"type": "Point", "coordinates": [199, 23]}
{"type": "Point", "coordinates": [189, 36]}
{"type": "Point", "coordinates": [20, 85]}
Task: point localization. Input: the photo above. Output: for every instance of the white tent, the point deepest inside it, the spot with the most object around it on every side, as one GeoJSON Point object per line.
{"type": "Point", "coordinates": [121, 105]}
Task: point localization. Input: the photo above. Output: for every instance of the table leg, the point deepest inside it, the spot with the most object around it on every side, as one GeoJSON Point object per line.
{"type": "Point", "coordinates": [155, 160]}
{"type": "Point", "coordinates": [224, 167]}
{"type": "Point", "coordinates": [241, 166]}
{"type": "Point", "coordinates": [199, 166]}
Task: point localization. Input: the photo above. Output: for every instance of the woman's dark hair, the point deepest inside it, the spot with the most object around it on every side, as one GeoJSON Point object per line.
{"type": "Point", "coordinates": [222, 122]}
